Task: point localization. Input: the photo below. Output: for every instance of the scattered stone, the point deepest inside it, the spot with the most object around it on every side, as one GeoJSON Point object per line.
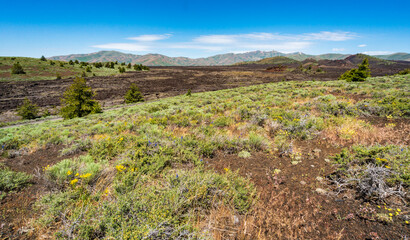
{"type": "Point", "coordinates": [321, 191]}
{"type": "Point", "coordinates": [235, 220]}
{"type": "Point", "coordinates": [295, 162]}
{"type": "Point", "coordinates": [327, 160]}
{"type": "Point", "coordinates": [319, 179]}
{"type": "Point", "coordinates": [312, 165]}
{"type": "Point", "coordinates": [317, 150]}
{"type": "Point", "coordinates": [303, 182]}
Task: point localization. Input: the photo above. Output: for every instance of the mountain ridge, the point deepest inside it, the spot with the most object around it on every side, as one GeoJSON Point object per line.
{"type": "Point", "coordinates": [155, 59]}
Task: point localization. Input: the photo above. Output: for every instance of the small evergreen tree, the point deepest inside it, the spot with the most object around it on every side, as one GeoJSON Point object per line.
{"type": "Point", "coordinates": [76, 62]}
{"type": "Point", "coordinates": [357, 74]}
{"type": "Point", "coordinates": [88, 69]}
{"type": "Point", "coordinates": [52, 63]}
{"type": "Point", "coordinates": [189, 93]}
{"type": "Point", "coordinates": [17, 69]}
{"type": "Point", "coordinates": [28, 110]}
{"type": "Point", "coordinates": [129, 65]}
{"type": "Point", "coordinates": [43, 58]}
{"type": "Point", "coordinates": [83, 74]}
{"type": "Point", "coordinates": [58, 76]}
{"type": "Point", "coordinates": [71, 62]}
{"type": "Point", "coordinates": [77, 100]}
{"type": "Point", "coordinates": [121, 69]}
{"type": "Point", "coordinates": [133, 95]}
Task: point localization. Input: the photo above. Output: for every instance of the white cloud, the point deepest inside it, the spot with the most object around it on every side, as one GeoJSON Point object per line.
{"type": "Point", "coordinates": [285, 47]}
{"type": "Point", "coordinates": [330, 36]}
{"type": "Point", "coordinates": [377, 52]}
{"type": "Point", "coordinates": [338, 49]}
{"type": "Point", "coordinates": [150, 38]}
{"type": "Point", "coordinates": [124, 46]}
{"type": "Point", "coordinates": [362, 45]}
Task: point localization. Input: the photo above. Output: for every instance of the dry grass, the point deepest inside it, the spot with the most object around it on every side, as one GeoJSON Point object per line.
{"type": "Point", "coordinates": [278, 215]}
{"type": "Point", "coordinates": [355, 131]}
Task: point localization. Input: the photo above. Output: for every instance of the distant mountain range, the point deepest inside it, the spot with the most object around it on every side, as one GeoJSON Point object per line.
{"type": "Point", "coordinates": [221, 59]}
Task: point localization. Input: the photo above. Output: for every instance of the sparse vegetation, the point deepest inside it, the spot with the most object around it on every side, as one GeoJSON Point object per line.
{"type": "Point", "coordinates": [161, 170]}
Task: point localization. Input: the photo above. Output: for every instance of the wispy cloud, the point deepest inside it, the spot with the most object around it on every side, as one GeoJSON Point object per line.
{"type": "Point", "coordinates": [362, 45]}
{"type": "Point", "coordinates": [150, 38]}
{"type": "Point", "coordinates": [124, 46]}
{"type": "Point", "coordinates": [377, 52]}
{"type": "Point", "coordinates": [330, 36]}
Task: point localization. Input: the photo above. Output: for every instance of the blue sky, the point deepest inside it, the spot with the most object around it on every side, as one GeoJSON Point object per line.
{"type": "Point", "coordinates": [203, 28]}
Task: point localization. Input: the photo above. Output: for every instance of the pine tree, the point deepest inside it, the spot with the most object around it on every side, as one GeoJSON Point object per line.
{"type": "Point", "coordinates": [77, 100]}
{"type": "Point", "coordinates": [129, 65]}
{"type": "Point", "coordinates": [43, 58]}
{"type": "Point", "coordinates": [133, 95]}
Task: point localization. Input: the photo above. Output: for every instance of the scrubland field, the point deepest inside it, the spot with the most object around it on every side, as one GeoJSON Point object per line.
{"type": "Point", "coordinates": [281, 160]}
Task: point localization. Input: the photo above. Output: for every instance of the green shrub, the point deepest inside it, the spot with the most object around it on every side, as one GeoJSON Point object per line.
{"type": "Point", "coordinates": [77, 100]}
{"type": "Point", "coordinates": [58, 76]}
{"type": "Point", "coordinates": [121, 69]}
{"type": "Point", "coordinates": [88, 69]}
{"type": "Point", "coordinates": [71, 62]}
{"type": "Point", "coordinates": [405, 71]}
{"type": "Point", "coordinates": [189, 93]}
{"type": "Point", "coordinates": [28, 110]}
{"type": "Point", "coordinates": [357, 75]}
{"type": "Point", "coordinates": [17, 69]}
{"type": "Point", "coordinates": [133, 95]}
{"type": "Point", "coordinates": [10, 180]}
{"type": "Point", "coordinates": [43, 58]}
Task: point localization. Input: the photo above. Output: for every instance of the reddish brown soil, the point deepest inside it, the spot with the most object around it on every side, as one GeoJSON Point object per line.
{"type": "Point", "coordinates": [16, 209]}
{"type": "Point", "coordinates": [290, 209]}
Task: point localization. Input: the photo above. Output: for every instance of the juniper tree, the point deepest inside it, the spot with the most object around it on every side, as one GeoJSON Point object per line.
{"type": "Point", "coordinates": [133, 95]}
{"type": "Point", "coordinates": [78, 102]}
{"type": "Point", "coordinates": [17, 69]}
{"type": "Point", "coordinates": [27, 110]}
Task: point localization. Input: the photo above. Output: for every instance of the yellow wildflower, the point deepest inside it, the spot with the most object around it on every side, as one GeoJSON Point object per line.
{"type": "Point", "coordinates": [407, 222]}
{"type": "Point", "coordinates": [398, 210]}
{"type": "Point", "coordinates": [69, 173]}
{"type": "Point", "coordinates": [87, 175]}
{"type": "Point", "coordinates": [120, 168]}
{"type": "Point", "coordinates": [391, 214]}
{"type": "Point", "coordinates": [77, 174]}
{"type": "Point", "coordinates": [226, 169]}
{"type": "Point", "coordinates": [74, 181]}
{"type": "Point", "coordinates": [388, 167]}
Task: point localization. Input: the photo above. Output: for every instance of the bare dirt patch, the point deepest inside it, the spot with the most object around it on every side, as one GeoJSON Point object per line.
{"type": "Point", "coordinates": [16, 209]}
{"type": "Point", "coordinates": [295, 204]}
